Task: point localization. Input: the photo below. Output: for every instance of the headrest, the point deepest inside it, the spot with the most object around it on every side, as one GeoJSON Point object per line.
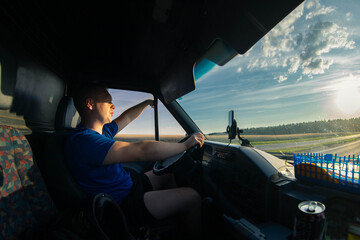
{"type": "Point", "coordinates": [66, 115]}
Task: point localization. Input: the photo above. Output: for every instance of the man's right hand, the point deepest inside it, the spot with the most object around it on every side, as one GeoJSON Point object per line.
{"type": "Point", "coordinates": [196, 138]}
{"type": "Point", "coordinates": [149, 150]}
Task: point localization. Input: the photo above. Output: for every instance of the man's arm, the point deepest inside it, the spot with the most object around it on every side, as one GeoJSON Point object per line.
{"type": "Point", "coordinates": [132, 113]}
{"type": "Point", "coordinates": [149, 150]}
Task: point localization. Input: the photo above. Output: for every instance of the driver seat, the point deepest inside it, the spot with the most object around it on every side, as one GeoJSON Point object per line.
{"type": "Point", "coordinates": [69, 197]}
{"type": "Point", "coordinates": [64, 190]}
{"type": "Point", "coordinates": [86, 214]}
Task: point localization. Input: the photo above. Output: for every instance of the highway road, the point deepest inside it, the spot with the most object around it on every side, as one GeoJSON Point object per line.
{"type": "Point", "coordinates": [351, 148]}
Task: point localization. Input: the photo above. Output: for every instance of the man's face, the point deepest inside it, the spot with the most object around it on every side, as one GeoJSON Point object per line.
{"type": "Point", "coordinates": [104, 107]}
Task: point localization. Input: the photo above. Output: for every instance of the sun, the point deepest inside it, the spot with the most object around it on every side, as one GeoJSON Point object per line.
{"type": "Point", "coordinates": [348, 96]}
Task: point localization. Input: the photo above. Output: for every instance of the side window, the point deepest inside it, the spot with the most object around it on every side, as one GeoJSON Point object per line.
{"type": "Point", "coordinates": [7, 117]}
{"type": "Point", "coordinates": [169, 129]}
{"type": "Point", "coordinates": [142, 128]}
{"type": "Point", "coordinates": [11, 119]}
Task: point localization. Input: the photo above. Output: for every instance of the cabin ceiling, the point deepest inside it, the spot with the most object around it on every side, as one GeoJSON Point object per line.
{"type": "Point", "coordinates": [135, 44]}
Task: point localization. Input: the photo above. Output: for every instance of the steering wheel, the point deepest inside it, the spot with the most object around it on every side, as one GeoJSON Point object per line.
{"type": "Point", "coordinates": [165, 166]}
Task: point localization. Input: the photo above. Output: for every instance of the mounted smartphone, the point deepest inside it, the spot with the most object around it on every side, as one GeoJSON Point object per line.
{"type": "Point", "coordinates": [231, 129]}
{"type": "Point", "coordinates": [231, 118]}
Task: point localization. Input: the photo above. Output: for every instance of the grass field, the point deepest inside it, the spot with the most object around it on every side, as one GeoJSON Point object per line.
{"type": "Point", "coordinates": [311, 148]}
{"type": "Point", "coordinates": [11, 119]}
{"type": "Point", "coordinates": [254, 139]}
{"type": "Point", "coordinates": [257, 140]}
{"type": "Point", "coordinates": [276, 139]}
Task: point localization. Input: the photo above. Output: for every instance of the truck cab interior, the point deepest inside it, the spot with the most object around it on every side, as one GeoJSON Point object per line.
{"type": "Point", "coordinates": [156, 49]}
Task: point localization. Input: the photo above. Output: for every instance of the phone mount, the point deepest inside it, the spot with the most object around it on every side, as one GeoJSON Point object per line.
{"type": "Point", "coordinates": [233, 130]}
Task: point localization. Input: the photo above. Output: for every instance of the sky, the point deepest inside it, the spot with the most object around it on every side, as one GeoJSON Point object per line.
{"type": "Point", "coordinates": [144, 124]}
{"type": "Point", "coordinates": [307, 68]}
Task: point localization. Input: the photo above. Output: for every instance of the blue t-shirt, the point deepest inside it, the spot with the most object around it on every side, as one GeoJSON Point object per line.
{"type": "Point", "coordinates": [85, 151]}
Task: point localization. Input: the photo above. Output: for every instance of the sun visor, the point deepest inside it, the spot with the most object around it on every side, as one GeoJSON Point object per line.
{"type": "Point", "coordinates": [178, 80]}
{"type": "Point", "coordinates": [220, 53]}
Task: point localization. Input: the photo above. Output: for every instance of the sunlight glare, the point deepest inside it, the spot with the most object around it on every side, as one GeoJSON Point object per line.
{"type": "Point", "coordinates": [348, 96]}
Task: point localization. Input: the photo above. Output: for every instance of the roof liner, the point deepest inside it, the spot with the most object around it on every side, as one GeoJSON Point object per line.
{"type": "Point", "coordinates": [138, 44]}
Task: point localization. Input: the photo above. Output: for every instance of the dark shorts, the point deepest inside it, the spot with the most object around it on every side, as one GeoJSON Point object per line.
{"type": "Point", "coordinates": [133, 205]}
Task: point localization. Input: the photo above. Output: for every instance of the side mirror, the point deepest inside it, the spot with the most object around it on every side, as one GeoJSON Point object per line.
{"type": "Point", "coordinates": [232, 127]}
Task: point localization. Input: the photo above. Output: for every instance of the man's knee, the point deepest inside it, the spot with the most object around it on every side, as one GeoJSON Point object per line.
{"type": "Point", "coordinates": [193, 198]}
{"type": "Point", "coordinates": [161, 182]}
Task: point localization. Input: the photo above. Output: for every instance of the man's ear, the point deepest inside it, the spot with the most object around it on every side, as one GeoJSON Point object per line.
{"type": "Point", "coordinates": [89, 103]}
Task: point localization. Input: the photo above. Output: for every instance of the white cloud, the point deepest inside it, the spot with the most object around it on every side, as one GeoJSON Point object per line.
{"type": "Point", "coordinates": [280, 78]}
{"type": "Point", "coordinates": [316, 66]}
{"type": "Point", "coordinates": [321, 38]}
{"type": "Point", "coordinates": [303, 50]}
{"type": "Point", "coordinates": [300, 47]}
{"type": "Point", "coordinates": [261, 63]}
{"type": "Point", "coordinates": [315, 4]}
{"type": "Point", "coordinates": [274, 41]}
{"type": "Point", "coordinates": [264, 64]}
{"type": "Point", "coordinates": [320, 11]}
{"type": "Point", "coordinates": [293, 63]}
{"type": "Point", "coordinates": [253, 64]}
{"type": "Point", "coordinates": [324, 36]}
{"type": "Point", "coordinates": [348, 16]}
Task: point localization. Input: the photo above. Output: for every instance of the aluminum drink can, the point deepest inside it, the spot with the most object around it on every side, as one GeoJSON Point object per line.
{"type": "Point", "coordinates": [310, 221]}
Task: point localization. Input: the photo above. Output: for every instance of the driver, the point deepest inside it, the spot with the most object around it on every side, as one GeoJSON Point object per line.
{"type": "Point", "coordinates": [95, 158]}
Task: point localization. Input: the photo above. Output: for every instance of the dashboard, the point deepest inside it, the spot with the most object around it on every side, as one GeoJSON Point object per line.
{"type": "Point", "coordinates": [240, 179]}
{"type": "Point", "coordinates": [252, 186]}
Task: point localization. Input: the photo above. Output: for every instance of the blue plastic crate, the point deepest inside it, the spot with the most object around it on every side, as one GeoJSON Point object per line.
{"type": "Point", "coordinates": [329, 170]}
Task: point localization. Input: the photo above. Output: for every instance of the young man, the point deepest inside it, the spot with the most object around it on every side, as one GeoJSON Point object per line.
{"type": "Point", "coordinates": [95, 158]}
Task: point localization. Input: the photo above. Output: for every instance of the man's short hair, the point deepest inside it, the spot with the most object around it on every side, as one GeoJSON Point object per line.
{"type": "Point", "coordinates": [85, 91]}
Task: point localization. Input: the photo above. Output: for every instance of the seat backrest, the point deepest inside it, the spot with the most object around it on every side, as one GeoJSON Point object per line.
{"type": "Point", "coordinates": [24, 199]}
{"type": "Point", "coordinates": [67, 117]}
{"type": "Point", "coordinates": [63, 188]}
{"type": "Point", "coordinates": [106, 217]}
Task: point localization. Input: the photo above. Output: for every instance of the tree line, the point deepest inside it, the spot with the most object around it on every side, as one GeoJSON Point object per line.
{"type": "Point", "coordinates": [322, 126]}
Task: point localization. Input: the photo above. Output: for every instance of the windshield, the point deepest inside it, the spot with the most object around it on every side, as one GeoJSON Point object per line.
{"type": "Point", "coordinates": [296, 90]}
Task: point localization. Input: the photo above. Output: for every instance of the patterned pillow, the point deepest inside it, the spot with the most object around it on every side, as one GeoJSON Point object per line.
{"type": "Point", "coordinates": [24, 199]}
